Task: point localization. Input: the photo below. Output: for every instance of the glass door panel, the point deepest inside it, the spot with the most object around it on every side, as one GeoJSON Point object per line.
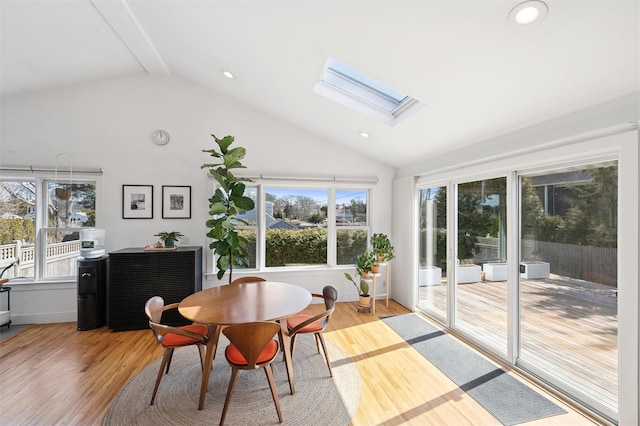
{"type": "Point", "coordinates": [432, 268]}
{"type": "Point", "coordinates": [481, 268]}
{"type": "Point", "coordinates": [568, 281]}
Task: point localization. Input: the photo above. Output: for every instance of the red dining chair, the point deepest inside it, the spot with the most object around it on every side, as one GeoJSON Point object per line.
{"type": "Point", "coordinates": [173, 337]}
{"type": "Point", "coordinates": [316, 324]}
{"type": "Point", "coordinates": [252, 346]}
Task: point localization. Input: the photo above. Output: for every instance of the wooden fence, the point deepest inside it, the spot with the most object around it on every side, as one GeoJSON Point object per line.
{"type": "Point", "coordinates": [589, 263]}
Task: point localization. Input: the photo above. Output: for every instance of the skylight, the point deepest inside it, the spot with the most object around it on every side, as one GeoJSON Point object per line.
{"type": "Point", "coordinates": [363, 93]}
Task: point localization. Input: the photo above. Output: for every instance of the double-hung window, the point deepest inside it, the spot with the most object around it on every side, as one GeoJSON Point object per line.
{"type": "Point", "coordinates": [40, 221]}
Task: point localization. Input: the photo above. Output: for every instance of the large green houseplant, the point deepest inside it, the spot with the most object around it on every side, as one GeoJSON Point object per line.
{"type": "Point", "coordinates": [226, 203]}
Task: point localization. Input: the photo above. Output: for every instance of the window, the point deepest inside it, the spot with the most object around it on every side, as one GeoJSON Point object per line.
{"type": "Point", "coordinates": [40, 222]}
{"type": "Point", "coordinates": [364, 94]}
{"type": "Point", "coordinates": [301, 230]}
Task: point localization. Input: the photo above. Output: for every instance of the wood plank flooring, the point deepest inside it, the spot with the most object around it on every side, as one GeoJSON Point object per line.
{"type": "Point", "coordinates": [52, 374]}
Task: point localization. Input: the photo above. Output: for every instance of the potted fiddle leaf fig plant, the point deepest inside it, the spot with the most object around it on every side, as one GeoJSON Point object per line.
{"type": "Point", "coordinates": [169, 238]}
{"type": "Point", "coordinates": [382, 248]}
{"type": "Point", "coordinates": [227, 202]}
{"type": "Point", "coordinates": [363, 292]}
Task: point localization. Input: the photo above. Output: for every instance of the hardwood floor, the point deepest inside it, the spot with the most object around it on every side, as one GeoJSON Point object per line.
{"type": "Point", "coordinates": [54, 374]}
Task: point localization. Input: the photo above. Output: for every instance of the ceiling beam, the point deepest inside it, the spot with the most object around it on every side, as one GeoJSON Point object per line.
{"type": "Point", "coordinates": [126, 26]}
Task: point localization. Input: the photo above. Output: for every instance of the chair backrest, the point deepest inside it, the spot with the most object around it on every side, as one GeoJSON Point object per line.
{"type": "Point", "coordinates": [154, 307]}
{"type": "Point", "coordinates": [249, 279]}
{"type": "Point", "coordinates": [330, 295]}
{"type": "Point", "coordinates": [251, 338]}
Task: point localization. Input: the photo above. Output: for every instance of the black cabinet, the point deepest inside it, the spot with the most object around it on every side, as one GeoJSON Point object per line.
{"type": "Point", "coordinates": [92, 293]}
{"type": "Point", "coordinates": [135, 275]}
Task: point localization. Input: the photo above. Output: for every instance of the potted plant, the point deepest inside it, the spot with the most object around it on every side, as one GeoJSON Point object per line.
{"type": "Point", "coordinates": [364, 263]}
{"type": "Point", "coordinates": [382, 247]}
{"type": "Point", "coordinates": [227, 202]}
{"type": "Point", "coordinates": [363, 292]}
{"type": "Point", "coordinates": [169, 238]}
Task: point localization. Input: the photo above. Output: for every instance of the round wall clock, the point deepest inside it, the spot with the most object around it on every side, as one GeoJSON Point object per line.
{"type": "Point", "coordinates": [161, 137]}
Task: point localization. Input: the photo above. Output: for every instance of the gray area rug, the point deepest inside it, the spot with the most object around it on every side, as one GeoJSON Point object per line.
{"type": "Point", "coordinates": [319, 399]}
{"type": "Point", "coordinates": [507, 399]}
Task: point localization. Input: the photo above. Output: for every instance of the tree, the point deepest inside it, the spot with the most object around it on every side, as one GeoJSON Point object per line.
{"type": "Point", "coordinates": [592, 220]}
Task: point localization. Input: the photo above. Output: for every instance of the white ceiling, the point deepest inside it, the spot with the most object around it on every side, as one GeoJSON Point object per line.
{"type": "Point", "coordinates": [478, 75]}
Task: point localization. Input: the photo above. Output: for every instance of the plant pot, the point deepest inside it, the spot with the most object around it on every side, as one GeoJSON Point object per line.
{"type": "Point", "coordinates": [366, 275]}
{"type": "Point", "coordinates": [63, 193]}
{"type": "Point", "coordinates": [364, 304]}
{"type": "Point", "coordinates": [375, 269]}
{"type": "Point", "coordinates": [168, 243]}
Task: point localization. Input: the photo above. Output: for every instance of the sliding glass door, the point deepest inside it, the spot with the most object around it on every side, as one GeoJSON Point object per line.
{"type": "Point", "coordinates": [432, 249]}
{"type": "Point", "coordinates": [568, 280]}
{"type": "Point", "coordinates": [553, 309]}
{"type": "Point", "coordinates": [481, 262]}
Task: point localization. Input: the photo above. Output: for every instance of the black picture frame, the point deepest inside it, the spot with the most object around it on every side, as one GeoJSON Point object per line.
{"type": "Point", "coordinates": [137, 201]}
{"type": "Point", "coordinates": [176, 202]}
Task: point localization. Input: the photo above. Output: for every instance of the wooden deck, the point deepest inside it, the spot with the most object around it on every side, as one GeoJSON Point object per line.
{"type": "Point", "coordinates": [568, 329]}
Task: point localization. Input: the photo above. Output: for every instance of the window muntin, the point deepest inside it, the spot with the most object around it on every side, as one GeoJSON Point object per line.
{"type": "Point", "coordinates": [31, 210]}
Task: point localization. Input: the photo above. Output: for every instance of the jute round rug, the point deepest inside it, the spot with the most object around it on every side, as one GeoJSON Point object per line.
{"type": "Point", "coordinates": [319, 399]}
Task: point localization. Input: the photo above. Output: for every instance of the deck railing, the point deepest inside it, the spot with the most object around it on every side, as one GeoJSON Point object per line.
{"type": "Point", "coordinates": [61, 259]}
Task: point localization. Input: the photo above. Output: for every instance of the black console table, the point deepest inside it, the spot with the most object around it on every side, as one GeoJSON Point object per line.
{"type": "Point", "coordinates": [135, 275]}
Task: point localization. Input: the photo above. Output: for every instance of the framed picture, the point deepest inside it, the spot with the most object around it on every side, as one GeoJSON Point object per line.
{"type": "Point", "coordinates": [176, 202]}
{"type": "Point", "coordinates": [137, 201]}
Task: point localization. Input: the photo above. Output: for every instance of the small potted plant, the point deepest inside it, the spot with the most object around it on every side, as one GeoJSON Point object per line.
{"type": "Point", "coordinates": [363, 291]}
{"type": "Point", "coordinates": [169, 238]}
{"type": "Point", "coordinates": [382, 247]}
{"type": "Point", "coordinates": [364, 263]}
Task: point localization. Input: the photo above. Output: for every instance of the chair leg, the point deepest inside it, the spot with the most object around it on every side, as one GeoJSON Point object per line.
{"type": "Point", "coordinates": [232, 384]}
{"type": "Point", "coordinates": [274, 393]}
{"type": "Point", "coordinates": [201, 352]}
{"type": "Point", "coordinates": [315, 336]}
{"type": "Point", "coordinates": [326, 354]}
{"type": "Point", "coordinates": [165, 358]}
{"type": "Point", "coordinates": [293, 344]}
{"type": "Point", "coordinates": [170, 358]}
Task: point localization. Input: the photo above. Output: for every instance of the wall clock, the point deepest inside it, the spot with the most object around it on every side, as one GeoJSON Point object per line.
{"type": "Point", "coordinates": [160, 137]}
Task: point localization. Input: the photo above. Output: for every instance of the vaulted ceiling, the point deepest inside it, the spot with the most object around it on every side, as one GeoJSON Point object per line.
{"type": "Point", "coordinates": [479, 75]}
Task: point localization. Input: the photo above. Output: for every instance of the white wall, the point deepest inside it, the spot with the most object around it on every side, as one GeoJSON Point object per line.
{"type": "Point", "coordinates": [108, 124]}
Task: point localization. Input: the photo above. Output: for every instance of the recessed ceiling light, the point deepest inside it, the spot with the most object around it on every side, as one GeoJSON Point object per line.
{"type": "Point", "coordinates": [364, 134]}
{"type": "Point", "coordinates": [227, 74]}
{"type": "Point", "coordinates": [528, 12]}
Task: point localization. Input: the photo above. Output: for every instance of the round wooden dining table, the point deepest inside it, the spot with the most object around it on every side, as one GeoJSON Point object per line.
{"type": "Point", "coordinates": [239, 304]}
